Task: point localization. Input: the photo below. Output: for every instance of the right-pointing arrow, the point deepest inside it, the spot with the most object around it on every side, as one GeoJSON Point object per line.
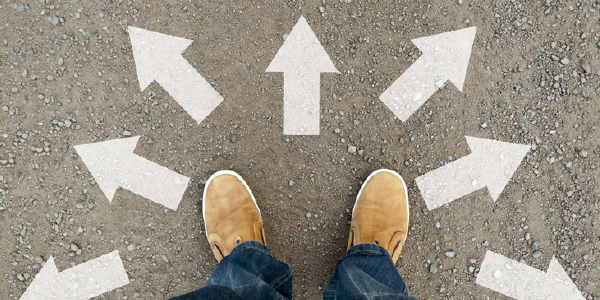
{"type": "Point", "coordinates": [491, 163]}
{"type": "Point", "coordinates": [520, 281]}
{"type": "Point", "coordinates": [113, 164]}
{"type": "Point", "coordinates": [445, 57]}
{"type": "Point", "coordinates": [158, 57]}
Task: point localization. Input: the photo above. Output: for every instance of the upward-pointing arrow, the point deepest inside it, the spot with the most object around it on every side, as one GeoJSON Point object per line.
{"type": "Point", "coordinates": [302, 59]}
{"type": "Point", "coordinates": [82, 282]}
{"type": "Point", "coordinates": [445, 57]}
{"type": "Point", "coordinates": [113, 164]}
{"type": "Point", "coordinates": [158, 57]}
{"type": "Point", "coordinates": [491, 163]}
{"type": "Point", "coordinates": [520, 281]}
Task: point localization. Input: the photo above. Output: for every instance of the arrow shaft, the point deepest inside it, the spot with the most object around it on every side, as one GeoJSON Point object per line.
{"type": "Point", "coordinates": [94, 277]}
{"type": "Point", "coordinates": [152, 181]}
{"type": "Point", "coordinates": [82, 282]}
{"type": "Point", "coordinates": [413, 88]}
{"type": "Point", "coordinates": [450, 182]}
{"type": "Point", "coordinates": [520, 281]}
{"type": "Point", "coordinates": [301, 103]}
{"type": "Point", "coordinates": [188, 88]}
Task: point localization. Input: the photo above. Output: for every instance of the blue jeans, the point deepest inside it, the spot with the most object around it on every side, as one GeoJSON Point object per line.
{"type": "Point", "coordinates": [250, 271]}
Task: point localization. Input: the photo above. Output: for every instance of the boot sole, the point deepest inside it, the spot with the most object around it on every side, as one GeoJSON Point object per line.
{"type": "Point", "coordinates": [223, 172]}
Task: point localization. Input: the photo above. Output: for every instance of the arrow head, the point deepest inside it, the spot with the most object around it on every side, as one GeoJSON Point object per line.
{"type": "Point", "coordinates": [302, 52]}
{"type": "Point", "coordinates": [105, 159]}
{"type": "Point", "coordinates": [153, 51]}
{"type": "Point", "coordinates": [562, 284]}
{"type": "Point", "coordinates": [496, 161]}
{"type": "Point", "coordinates": [449, 52]}
{"type": "Point", "coordinates": [42, 282]}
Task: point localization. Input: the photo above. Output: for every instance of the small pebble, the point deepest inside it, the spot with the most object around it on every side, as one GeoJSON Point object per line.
{"type": "Point", "coordinates": [308, 215]}
{"type": "Point", "coordinates": [432, 268]}
{"type": "Point", "coordinates": [54, 20]}
{"type": "Point", "coordinates": [351, 149]}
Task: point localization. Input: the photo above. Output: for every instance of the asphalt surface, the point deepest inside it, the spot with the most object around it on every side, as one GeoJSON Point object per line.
{"type": "Point", "coordinates": [68, 77]}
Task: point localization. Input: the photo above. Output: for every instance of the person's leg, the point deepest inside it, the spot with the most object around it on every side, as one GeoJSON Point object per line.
{"type": "Point", "coordinates": [366, 272]}
{"type": "Point", "coordinates": [377, 234]}
{"type": "Point", "coordinates": [234, 227]}
{"type": "Point", "coordinates": [250, 271]}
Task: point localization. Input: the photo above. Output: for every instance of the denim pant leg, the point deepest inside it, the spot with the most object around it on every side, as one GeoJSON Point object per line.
{"type": "Point", "coordinates": [366, 272]}
{"type": "Point", "coordinates": [250, 271]}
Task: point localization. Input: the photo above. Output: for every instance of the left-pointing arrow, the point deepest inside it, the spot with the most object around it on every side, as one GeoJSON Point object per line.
{"type": "Point", "coordinates": [302, 59]}
{"type": "Point", "coordinates": [113, 165]}
{"type": "Point", "coordinates": [82, 282]}
{"type": "Point", "coordinates": [158, 57]}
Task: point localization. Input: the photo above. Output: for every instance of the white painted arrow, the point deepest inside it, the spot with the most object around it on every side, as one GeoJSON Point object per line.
{"type": "Point", "coordinates": [158, 57]}
{"type": "Point", "coordinates": [520, 281]}
{"type": "Point", "coordinates": [302, 59]}
{"type": "Point", "coordinates": [113, 165]}
{"type": "Point", "coordinates": [445, 57]}
{"type": "Point", "coordinates": [491, 163]}
{"type": "Point", "coordinates": [82, 282]}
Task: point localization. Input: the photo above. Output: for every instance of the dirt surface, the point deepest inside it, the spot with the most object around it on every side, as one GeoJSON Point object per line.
{"type": "Point", "coordinates": [68, 77]}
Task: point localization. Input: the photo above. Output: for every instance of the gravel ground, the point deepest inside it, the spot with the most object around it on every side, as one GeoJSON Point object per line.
{"type": "Point", "coordinates": [67, 77]}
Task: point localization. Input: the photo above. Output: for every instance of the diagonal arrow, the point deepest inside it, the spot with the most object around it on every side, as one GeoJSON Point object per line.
{"type": "Point", "coordinates": [113, 165]}
{"type": "Point", "coordinates": [82, 282]}
{"type": "Point", "coordinates": [302, 59]}
{"type": "Point", "coordinates": [520, 281]}
{"type": "Point", "coordinates": [158, 57]}
{"type": "Point", "coordinates": [491, 163]}
{"type": "Point", "coordinates": [445, 57]}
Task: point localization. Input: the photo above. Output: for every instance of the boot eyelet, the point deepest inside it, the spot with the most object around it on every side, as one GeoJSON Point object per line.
{"type": "Point", "coordinates": [376, 242]}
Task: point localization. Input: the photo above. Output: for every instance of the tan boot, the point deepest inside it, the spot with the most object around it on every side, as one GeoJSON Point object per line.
{"type": "Point", "coordinates": [380, 215]}
{"type": "Point", "coordinates": [230, 213]}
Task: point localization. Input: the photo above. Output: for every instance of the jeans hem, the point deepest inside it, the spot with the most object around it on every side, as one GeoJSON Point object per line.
{"type": "Point", "coordinates": [251, 245]}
